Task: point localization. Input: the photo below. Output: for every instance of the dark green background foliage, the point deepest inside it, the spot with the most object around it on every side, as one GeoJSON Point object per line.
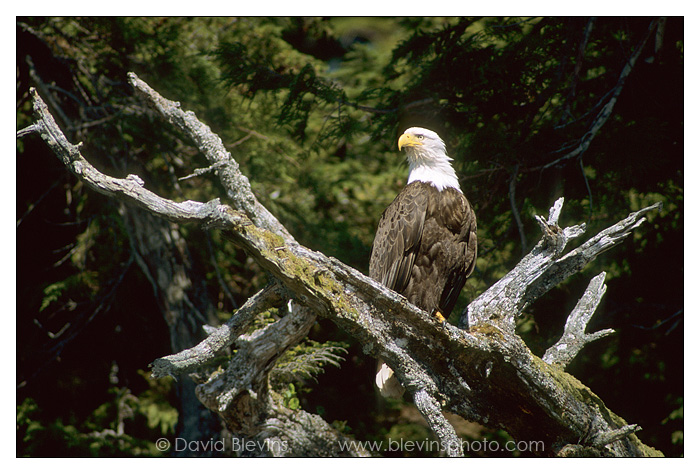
{"type": "Point", "coordinates": [311, 108]}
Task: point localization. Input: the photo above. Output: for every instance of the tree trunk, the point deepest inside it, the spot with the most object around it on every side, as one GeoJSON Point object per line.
{"type": "Point", "coordinates": [164, 259]}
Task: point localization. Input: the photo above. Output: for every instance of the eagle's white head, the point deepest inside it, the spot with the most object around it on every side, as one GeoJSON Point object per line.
{"type": "Point", "coordinates": [427, 159]}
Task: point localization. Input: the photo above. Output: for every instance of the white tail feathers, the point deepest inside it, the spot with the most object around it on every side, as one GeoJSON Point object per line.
{"type": "Point", "coordinates": [387, 382]}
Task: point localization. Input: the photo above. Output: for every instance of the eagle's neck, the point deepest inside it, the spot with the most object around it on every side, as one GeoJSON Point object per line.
{"type": "Point", "coordinates": [434, 169]}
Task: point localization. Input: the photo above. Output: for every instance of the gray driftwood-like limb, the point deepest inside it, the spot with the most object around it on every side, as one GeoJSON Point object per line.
{"type": "Point", "coordinates": [504, 301]}
{"type": "Point", "coordinates": [430, 408]}
{"type": "Point", "coordinates": [486, 374]}
{"type": "Point", "coordinates": [605, 438]}
{"type": "Point", "coordinates": [575, 260]}
{"type": "Point", "coordinates": [130, 189]}
{"type": "Point", "coordinates": [545, 267]}
{"type": "Point", "coordinates": [202, 171]}
{"type": "Point", "coordinates": [236, 184]}
{"type": "Point", "coordinates": [189, 360]}
{"type": "Point", "coordinates": [575, 337]}
{"type": "Point", "coordinates": [212, 214]}
{"type": "Point", "coordinates": [258, 417]}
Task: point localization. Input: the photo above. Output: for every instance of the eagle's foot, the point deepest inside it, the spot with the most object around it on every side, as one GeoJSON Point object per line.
{"type": "Point", "coordinates": [441, 318]}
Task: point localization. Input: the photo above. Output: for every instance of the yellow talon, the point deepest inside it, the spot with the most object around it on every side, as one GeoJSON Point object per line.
{"type": "Point", "coordinates": [440, 317]}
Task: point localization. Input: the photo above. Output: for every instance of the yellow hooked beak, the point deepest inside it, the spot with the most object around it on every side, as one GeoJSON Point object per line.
{"type": "Point", "coordinates": [408, 140]}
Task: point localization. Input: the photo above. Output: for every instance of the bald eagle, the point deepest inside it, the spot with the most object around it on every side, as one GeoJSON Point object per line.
{"type": "Point", "coordinates": [425, 245]}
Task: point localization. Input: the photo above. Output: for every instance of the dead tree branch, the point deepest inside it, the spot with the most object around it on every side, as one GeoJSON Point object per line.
{"type": "Point", "coordinates": [575, 337]}
{"type": "Point", "coordinates": [189, 360]}
{"type": "Point", "coordinates": [545, 267]}
{"type": "Point", "coordinates": [236, 184]}
{"type": "Point", "coordinates": [485, 374]}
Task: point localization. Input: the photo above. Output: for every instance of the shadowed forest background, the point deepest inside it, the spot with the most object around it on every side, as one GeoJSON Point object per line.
{"type": "Point", "coordinates": [311, 109]}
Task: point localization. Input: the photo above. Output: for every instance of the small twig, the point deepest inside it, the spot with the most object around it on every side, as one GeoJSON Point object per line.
{"type": "Point", "coordinates": [208, 169]}
{"type": "Point", "coordinates": [607, 437]}
{"type": "Point", "coordinates": [33, 128]}
{"type": "Point", "coordinates": [516, 213]}
{"type": "Point", "coordinates": [588, 187]}
{"type": "Point", "coordinates": [555, 212]}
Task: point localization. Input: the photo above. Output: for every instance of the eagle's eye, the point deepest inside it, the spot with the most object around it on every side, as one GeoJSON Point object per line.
{"type": "Point", "coordinates": [419, 137]}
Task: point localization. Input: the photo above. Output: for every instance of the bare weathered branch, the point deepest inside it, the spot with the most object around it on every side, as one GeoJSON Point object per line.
{"type": "Point", "coordinates": [211, 214]}
{"type": "Point", "coordinates": [257, 351]}
{"type": "Point", "coordinates": [240, 395]}
{"type": "Point", "coordinates": [506, 298]}
{"type": "Point", "coordinates": [545, 267]}
{"type": "Point", "coordinates": [130, 189]}
{"type": "Point", "coordinates": [236, 184]}
{"type": "Point", "coordinates": [575, 260]}
{"type": "Point", "coordinates": [486, 374]}
{"type": "Point", "coordinates": [430, 408]}
{"type": "Point", "coordinates": [189, 360]}
{"type": "Point", "coordinates": [575, 337]}
{"type": "Point", "coordinates": [603, 439]}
